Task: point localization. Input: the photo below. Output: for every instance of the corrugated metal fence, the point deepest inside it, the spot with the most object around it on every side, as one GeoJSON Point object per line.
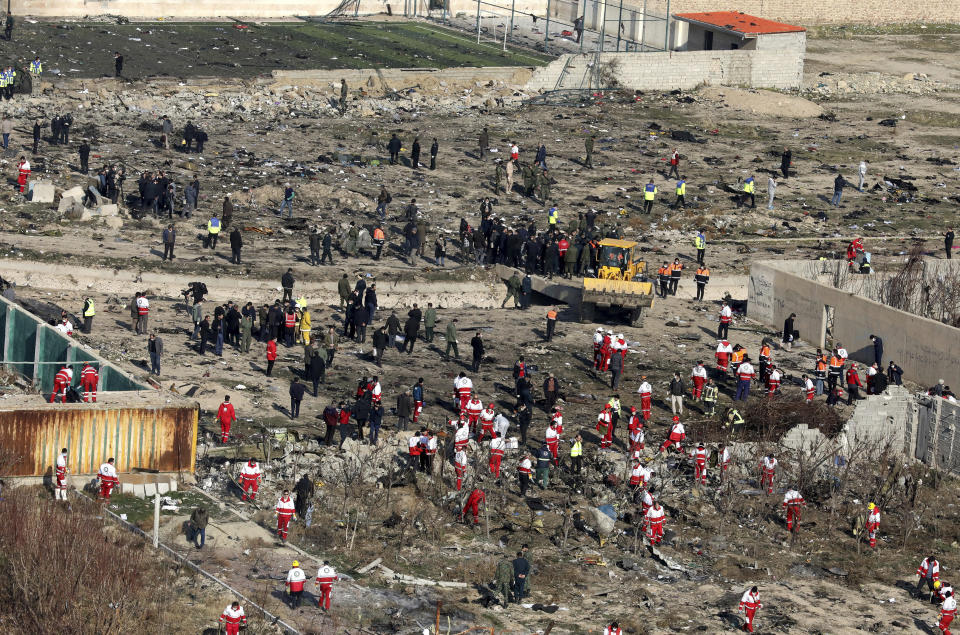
{"type": "Point", "coordinates": [161, 437]}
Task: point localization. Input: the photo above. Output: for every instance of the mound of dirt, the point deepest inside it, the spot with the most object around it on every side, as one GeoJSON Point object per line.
{"type": "Point", "coordinates": [763, 102]}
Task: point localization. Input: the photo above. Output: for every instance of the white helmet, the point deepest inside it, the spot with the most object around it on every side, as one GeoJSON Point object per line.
{"type": "Point", "coordinates": [609, 332]}
{"type": "Point", "coordinates": [619, 336]}
{"type": "Point", "coordinates": [599, 329]}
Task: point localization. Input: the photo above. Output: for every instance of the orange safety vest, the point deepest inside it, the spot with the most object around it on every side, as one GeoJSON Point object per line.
{"type": "Point", "coordinates": [551, 315]}
{"type": "Point", "coordinates": [737, 357]}
{"type": "Point", "coordinates": [378, 234]}
{"type": "Point", "coordinates": [765, 354]}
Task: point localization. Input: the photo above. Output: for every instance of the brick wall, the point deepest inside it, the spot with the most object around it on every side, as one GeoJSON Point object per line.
{"type": "Point", "coordinates": [811, 12]}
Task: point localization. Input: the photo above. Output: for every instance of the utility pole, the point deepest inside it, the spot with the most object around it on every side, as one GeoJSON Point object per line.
{"type": "Point", "coordinates": [546, 32]}
{"type": "Point", "coordinates": [478, 21]}
{"type": "Point", "coordinates": [156, 520]}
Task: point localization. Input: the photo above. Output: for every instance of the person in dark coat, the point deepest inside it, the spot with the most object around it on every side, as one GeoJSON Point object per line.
{"type": "Point", "coordinates": [393, 326]}
{"type": "Point", "coordinates": [410, 332]}
{"type": "Point", "coordinates": [788, 330]}
{"type": "Point", "coordinates": [521, 570]}
{"type": "Point", "coordinates": [523, 392]}
{"type": "Point", "coordinates": [236, 244]}
{"type": "Point", "coordinates": [296, 396]}
{"type": "Point", "coordinates": [877, 350]}
{"type": "Point", "coordinates": [84, 152]}
{"type": "Point", "coordinates": [404, 409]}
{"type": "Point", "coordinates": [477, 344]}
{"type": "Point", "coordinates": [370, 302]}
{"type": "Point", "coordinates": [303, 490]}
{"type": "Point", "coordinates": [315, 247]}
{"type": "Point", "coordinates": [434, 149]}
{"type": "Point", "coordinates": [316, 369]}
{"type": "Point", "coordinates": [380, 343]}
{"type": "Point", "coordinates": [785, 160]}
{"type": "Point", "coordinates": [394, 147]}
{"type": "Point", "coordinates": [551, 387]}
{"type": "Point", "coordinates": [361, 412]}
{"type": "Point", "coordinates": [415, 154]}
{"type": "Point", "coordinates": [360, 323]}
{"type": "Point", "coordinates": [523, 416]}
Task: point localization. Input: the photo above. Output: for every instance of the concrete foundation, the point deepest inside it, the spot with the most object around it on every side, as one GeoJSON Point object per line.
{"type": "Point", "coordinates": [147, 485]}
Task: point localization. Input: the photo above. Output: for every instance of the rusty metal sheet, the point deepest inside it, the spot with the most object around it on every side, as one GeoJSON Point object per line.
{"type": "Point", "coordinates": [162, 438]}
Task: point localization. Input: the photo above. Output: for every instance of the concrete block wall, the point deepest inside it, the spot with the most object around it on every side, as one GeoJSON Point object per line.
{"type": "Point", "coordinates": [681, 69]}
{"type": "Point", "coordinates": [926, 349]}
{"type": "Point", "coordinates": [882, 419]}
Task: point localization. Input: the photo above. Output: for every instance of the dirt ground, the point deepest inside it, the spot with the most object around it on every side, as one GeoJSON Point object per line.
{"type": "Point", "coordinates": [721, 547]}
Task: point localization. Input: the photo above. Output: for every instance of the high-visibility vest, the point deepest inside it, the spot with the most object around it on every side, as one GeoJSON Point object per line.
{"type": "Point", "coordinates": [36, 67]}
{"type": "Point", "coordinates": [378, 234]}
{"type": "Point", "coordinates": [649, 191]}
{"type": "Point", "coordinates": [551, 315]}
{"type": "Point", "coordinates": [553, 215]}
{"type": "Point", "coordinates": [699, 242]}
{"type": "Point", "coordinates": [703, 275]}
{"type": "Point", "coordinates": [291, 320]}
{"type": "Point", "coordinates": [710, 393]}
{"type": "Point", "coordinates": [90, 312]}
{"type": "Point", "coordinates": [214, 226]}
{"type": "Point", "coordinates": [681, 188]}
{"type": "Point", "coordinates": [748, 185]}
{"type": "Point", "coordinates": [576, 449]}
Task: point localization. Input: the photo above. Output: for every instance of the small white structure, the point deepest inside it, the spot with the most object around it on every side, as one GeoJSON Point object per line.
{"type": "Point", "coordinates": [732, 30]}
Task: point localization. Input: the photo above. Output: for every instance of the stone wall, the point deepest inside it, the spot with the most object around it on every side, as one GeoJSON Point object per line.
{"type": "Point", "coordinates": [809, 12]}
{"type": "Point", "coordinates": [404, 77]}
{"type": "Point", "coordinates": [767, 67]}
{"type": "Point", "coordinates": [926, 349]}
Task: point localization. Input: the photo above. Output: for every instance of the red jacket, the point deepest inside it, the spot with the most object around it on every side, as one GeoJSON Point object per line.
{"type": "Point", "coordinates": [271, 350]}
{"type": "Point", "coordinates": [226, 413]}
{"type": "Point", "coordinates": [853, 377]}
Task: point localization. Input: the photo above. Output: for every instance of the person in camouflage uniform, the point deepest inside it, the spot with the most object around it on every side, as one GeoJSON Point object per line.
{"type": "Point", "coordinates": [504, 580]}
{"type": "Point", "coordinates": [513, 291]}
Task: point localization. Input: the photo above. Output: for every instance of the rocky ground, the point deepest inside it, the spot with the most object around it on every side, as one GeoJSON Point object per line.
{"type": "Point", "coordinates": [720, 539]}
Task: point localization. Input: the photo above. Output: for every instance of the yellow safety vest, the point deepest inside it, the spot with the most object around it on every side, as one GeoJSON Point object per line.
{"type": "Point", "coordinates": [576, 449]}
{"type": "Point", "coordinates": [649, 191]}
{"type": "Point", "coordinates": [213, 229]}
{"type": "Point", "coordinates": [699, 242]}
{"type": "Point", "coordinates": [36, 67]}
{"type": "Point", "coordinates": [90, 312]}
{"type": "Point", "coordinates": [748, 187]}
{"type": "Point", "coordinates": [681, 188]}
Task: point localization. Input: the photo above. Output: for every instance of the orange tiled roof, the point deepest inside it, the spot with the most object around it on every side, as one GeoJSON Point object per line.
{"type": "Point", "coordinates": [740, 22]}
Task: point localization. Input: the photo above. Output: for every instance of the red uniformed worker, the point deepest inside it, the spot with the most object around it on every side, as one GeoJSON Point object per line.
{"type": "Point", "coordinates": [473, 504]}
{"type": "Point", "coordinates": [233, 618]}
{"type": "Point", "coordinates": [250, 476]}
{"type": "Point", "coordinates": [88, 381]}
{"type": "Point", "coordinates": [285, 513]}
{"type": "Point", "coordinates": [749, 605]}
{"type": "Point", "coordinates": [226, 416]}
